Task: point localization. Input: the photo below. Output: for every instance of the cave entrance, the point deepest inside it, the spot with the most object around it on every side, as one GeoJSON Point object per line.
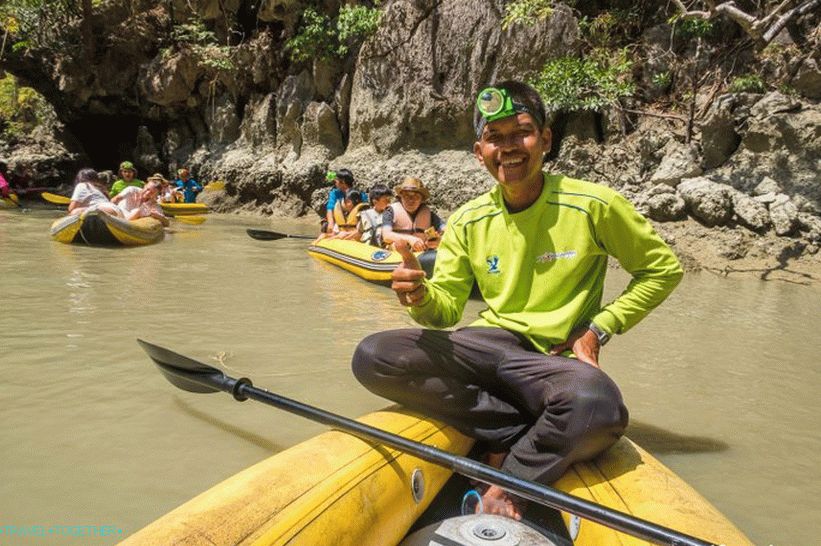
{"type": "Point", "coordinates": [108, 140]}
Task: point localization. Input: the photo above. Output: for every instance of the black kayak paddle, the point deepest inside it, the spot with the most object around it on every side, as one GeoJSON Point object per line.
{"type": "Point", "coordinates": [194, 376]}
{"type": "Point", "coordinates": [265, 235]}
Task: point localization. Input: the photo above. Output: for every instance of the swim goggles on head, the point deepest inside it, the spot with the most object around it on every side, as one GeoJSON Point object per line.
{"type": "Point", "coordinates": [494, 103]}
{"type": "Point", "coordinates": [330, 176]}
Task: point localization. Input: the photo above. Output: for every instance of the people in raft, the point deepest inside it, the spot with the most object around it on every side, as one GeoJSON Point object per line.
{"type": "Point", "coordinates": [89, 194]}
{"type": "Point", "coordinates": [169, 193]}
{"type": "Point", "coordinates": [410, 219]}
{"type": "Point", "coordinates": [525, 378]}
{"type": "Point", "coordinates": [138, 203]}
{"type": "Point", "coordinates": [369, 226]}
{"type": "Point", "coordinates": [343, 182]}
{"type": "Point", "coordinates": [5, 189]}
{"type": "Point", "coordinates": [189, 187]}
{"type": "Point", "coordinates": [128, 177]}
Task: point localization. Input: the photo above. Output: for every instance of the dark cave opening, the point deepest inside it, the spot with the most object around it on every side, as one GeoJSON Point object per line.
{"type": "Point", "coordinates": [108, 140]}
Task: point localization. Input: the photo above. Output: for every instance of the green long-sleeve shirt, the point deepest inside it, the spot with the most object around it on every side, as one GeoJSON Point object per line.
{"type": "Point", "coordinates": [541, 271]}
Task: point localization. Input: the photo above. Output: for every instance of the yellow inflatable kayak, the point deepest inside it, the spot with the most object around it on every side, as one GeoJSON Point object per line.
{"type": "Point", "coordinates": [337, 489]}
{"type": "Point", "coordinates": [10, 202]}
{"type": "Point", "coordinates": [95, 227]}
{"type": "Point", "coordinates": [183, 209]}
{"type": "Point", "coordinates": [387, 479]}
{"type": "Point", "coordinates": [368, 262]}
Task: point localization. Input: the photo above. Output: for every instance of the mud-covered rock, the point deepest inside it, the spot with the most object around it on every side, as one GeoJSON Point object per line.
{"type": "Point", "coordinates": [708, 202]}
{"type": "Point", "coordinates": [680, 161]}
{"type": "Point", "coordinates": [784, 215]}
{"type": "Point", "coordinates": [751, 213]}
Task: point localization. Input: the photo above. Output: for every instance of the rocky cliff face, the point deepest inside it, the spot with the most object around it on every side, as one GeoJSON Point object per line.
{"type": "Point", "coordinates": [401, 105]}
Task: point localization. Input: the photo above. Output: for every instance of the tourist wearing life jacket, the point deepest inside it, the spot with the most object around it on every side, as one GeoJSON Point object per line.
{"type": "Point", "coordinates": [346, 212]}
{"type": "Point", "coordinates": [411, 219]}
{"type": "Point", "coordinates": [128, 177]}
{"type": "Point", "coordinates": [369, 228]}
{"type": "Point", "coordinates": [343, 181]}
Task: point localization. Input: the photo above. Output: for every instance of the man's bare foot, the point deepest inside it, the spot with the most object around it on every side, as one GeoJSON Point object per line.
{"type": "Point", "coordinates": [495, 459]}
{"type": "Point", "coordinates": [498, 501]}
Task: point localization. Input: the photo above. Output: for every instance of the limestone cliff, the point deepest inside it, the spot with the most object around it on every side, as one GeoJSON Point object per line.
{"type": "Point", "coordinates": [238, 108]}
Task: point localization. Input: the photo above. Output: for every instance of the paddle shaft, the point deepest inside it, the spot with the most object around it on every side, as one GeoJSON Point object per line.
{"type": "Point", "coordinates": [243, 389]}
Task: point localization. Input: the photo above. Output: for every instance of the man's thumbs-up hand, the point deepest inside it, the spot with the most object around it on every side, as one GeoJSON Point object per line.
{"type": "Point", "coordinates": [407, 277]}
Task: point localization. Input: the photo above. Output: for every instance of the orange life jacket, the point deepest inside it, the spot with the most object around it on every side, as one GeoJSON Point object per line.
{"type": "Point", "coordinates": [403, 223]}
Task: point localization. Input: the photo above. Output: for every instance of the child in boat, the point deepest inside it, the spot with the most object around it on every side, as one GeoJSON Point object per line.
{"type": "Point", "coordinates": [89, 193]}
{"type": "Point", "coordinates": [128, 177]}
{"type": "Point", "coordinates": [343, 182]}
{"type": "Point", "coordinates": [411, 219]}
{"type": "Point", "coordinates": [137, 202]}
{"type": "Point", "coordinates": [369, 227]}
{"type": "Point", "coordinates": [187, 185]}
{"type": "Point", "coordinates": [536, 246]}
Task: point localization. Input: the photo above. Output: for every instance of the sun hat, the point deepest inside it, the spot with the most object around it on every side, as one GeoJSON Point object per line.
{"type": "Point", "coordinates": [157, 177]}
{"type": "Point", "coordinates": [127, 166]}
{"type": "Point", "coordinates": [412, 184]}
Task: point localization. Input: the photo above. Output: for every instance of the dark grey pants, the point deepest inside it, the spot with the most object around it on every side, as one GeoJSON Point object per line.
{"type": "Point", "coordinates": [492, 385]}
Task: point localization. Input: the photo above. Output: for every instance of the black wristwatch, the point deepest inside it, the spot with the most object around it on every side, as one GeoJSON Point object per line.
{"type": "Point", "coordinates": [603, 336]}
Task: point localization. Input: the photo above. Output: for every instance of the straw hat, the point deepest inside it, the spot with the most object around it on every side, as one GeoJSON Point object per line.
{"type": "Point", "coordinates": [412, 184]}
{"type": "Point", "coordinates": [157, 177]}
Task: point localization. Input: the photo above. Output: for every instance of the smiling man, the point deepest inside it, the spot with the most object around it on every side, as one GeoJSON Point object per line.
{"type": "Point", "coordinates": [525, 377]}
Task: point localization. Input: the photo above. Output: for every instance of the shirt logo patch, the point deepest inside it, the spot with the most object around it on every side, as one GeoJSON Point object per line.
{"type": "Point", "coordinates": [553, 256]}
{"type": "Point", "coordinates": [493, 265]}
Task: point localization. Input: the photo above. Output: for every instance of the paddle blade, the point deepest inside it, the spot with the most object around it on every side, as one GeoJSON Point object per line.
{"type": "Point", "coordinates": [264, 235]}
{"type": "Point", "coordinates": [55, 199]}
{"type": "Point", "coordinates": [183, 372]}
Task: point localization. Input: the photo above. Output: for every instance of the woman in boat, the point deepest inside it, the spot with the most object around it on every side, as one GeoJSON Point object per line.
{"type": "Point", "coordinates": [537, 247]}
{"type": "Point", "coordinates": [142, 202]}
{"type": "Point", "coordinates": [89, 193]}
{"type": "Point", "coordinates": [410, 219]}
{"type": "Point", "coordinates": [128, 177]}
{"type": "Point", "coordinates": [189, 187]}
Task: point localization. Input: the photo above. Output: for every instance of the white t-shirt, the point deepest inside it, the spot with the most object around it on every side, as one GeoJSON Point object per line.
{"type": "Point", "coordinates": [88, 195]}
{"type": "Point", "coordinates": [131, 199]}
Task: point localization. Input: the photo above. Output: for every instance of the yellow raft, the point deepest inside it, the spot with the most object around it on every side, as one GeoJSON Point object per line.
{"type": "Point", "coordinates": [337, 489]}
{"type": "Point", "coordinates": [95, 227]}
{"type": "Point", "coordinates": [183, 209]}
{"type": "Point", "coordinates": [368, 262]}
{"type": "Point", "coordinates": [10, 202]}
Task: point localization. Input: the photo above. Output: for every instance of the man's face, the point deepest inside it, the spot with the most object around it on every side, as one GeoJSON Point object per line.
{"type": "Point", "coordinates": [128, 174]}
{"type": "Point", "coordinates": [512, 149]}
{"type": "Point", "coordinates": [411, 200]}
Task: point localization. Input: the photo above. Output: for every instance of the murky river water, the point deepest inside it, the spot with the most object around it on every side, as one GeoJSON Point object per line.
{"type": "Point", "coordinates": [722, 380]}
